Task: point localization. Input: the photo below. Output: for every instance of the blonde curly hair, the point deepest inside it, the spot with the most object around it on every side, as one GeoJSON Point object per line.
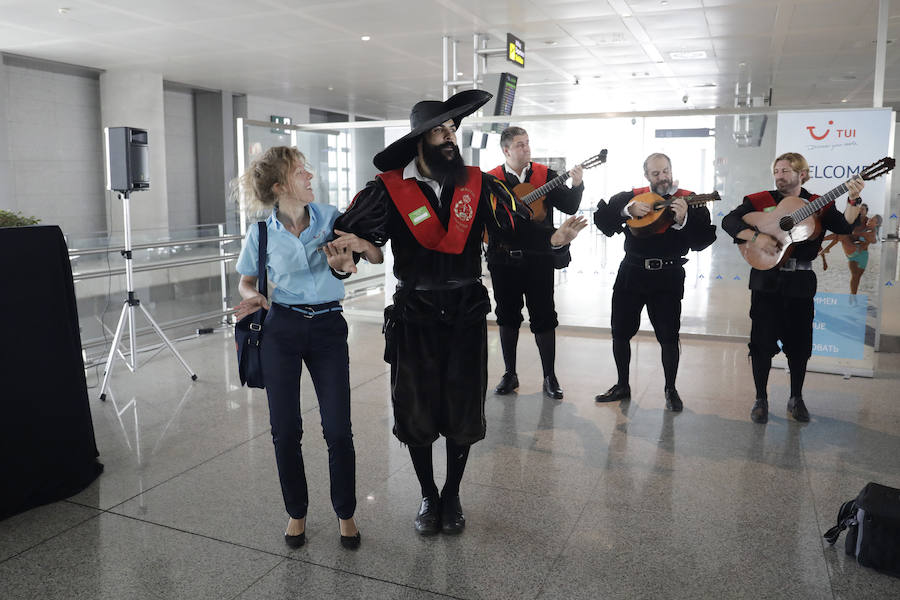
{"type": "Point", "coordinates": [274, 166]}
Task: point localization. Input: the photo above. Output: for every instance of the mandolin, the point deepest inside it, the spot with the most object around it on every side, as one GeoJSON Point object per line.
{"type": "Point", "coordinates": [795, 220]}
{"type": "Point", "coordinates": [534, 198]}
{"type": "Point", "coordinates": [661, 215]}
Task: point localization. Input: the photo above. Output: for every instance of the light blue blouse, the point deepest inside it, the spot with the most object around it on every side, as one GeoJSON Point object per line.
{"type": "Point", "coordinates": [298, 270]}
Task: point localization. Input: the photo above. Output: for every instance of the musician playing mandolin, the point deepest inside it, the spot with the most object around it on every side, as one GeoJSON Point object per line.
{"type": "Point", "coordinates": [526, 269]}
{"type": "Point", "coordinates": [781, 298]}
{"type": "Point", "coordinates": [651, 274]}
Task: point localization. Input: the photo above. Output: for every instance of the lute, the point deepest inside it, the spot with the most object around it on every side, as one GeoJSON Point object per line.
{"type": "Point", "coordinates": [661, 216]}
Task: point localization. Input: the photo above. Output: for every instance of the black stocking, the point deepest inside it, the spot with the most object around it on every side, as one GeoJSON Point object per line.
{"type": "Point", "coordinates": [509, 338]}
{"type": "Point", "coordinates": [622, 356]}
{"type": "Point", "coordinates": [761, 366]}
{"type": "Point", "coordinates": [670, 355]}
{"type": "Point", "coordinates": [797, 367]}
{"type": "Point", "coordinates": [421, 460]}
{"type": "Point", "coordinates": [546, 343]}
{"type": "Point", "coordinates": [457, 455]}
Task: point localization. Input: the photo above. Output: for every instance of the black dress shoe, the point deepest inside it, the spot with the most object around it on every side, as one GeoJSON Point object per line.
{"type": "Point", "coordinates": [673, 400]}
{"type": "Point", "coordinates": [452, 519]}
{"type": "Point", "coordinates": [760, 411]}
{"type": "Point", "coordinates": [508, 384]}
{"type": "Point", "coordinates": [350, 542]}
{"type": "Point", "coordinates": [797, 408]}
{"type": "Point", "coordinates": [295, 541]}
{"type": "Point", "coordinates": [428, 521]}
{"type": "Point", "coordinates": [616, 392]}
{"type": "Point", "coordinates": [551, 388]}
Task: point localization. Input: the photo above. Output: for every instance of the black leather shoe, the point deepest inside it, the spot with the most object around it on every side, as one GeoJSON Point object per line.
{"type": "Point", "coordinates": [760, 411]}
{"type": "Point", "coordinates": [508, 384]}
{"type": "Point", "coordinates": [616, 392]}
{"type": "Point", "coordinates": [673, 400]}
{"type": "Point", "coordinates": [797, 408]}
{"type": "Point", "coordinates": [351, 542]}
{"type": "Point", "coordinates": [428, 521]}
{"type": "Point", "coordinates": [551, 388]}
{"type": "Point", "coordinates": [452, 519]}
{"type": "Point", "coordinates": [295, 541]}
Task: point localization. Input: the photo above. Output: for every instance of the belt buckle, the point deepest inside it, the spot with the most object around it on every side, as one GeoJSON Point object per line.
{"type": "Point", "coordinates": [653, 264]}
{"type": "Point", "coordinates": [255, 327]}
{"type": "Point", "coordinates": [789, 265]}
{"type": "Point", "coordinates": [515, 254]}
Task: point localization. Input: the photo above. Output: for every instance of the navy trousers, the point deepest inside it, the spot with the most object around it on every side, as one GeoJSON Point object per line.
{"type": "Point", "coordinates": [321, 342]}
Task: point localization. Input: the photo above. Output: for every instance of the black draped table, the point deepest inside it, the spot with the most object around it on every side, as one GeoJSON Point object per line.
{"type": "Point", "coordinates": [47, 447]}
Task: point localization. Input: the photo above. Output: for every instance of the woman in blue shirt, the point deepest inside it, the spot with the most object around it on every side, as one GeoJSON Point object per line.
{"type": "Point", "coordinates": [304, 324]}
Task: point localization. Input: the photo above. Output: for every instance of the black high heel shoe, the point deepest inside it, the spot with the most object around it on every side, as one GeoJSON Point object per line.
{"type": "Point", "coordinates": [295, 541]}
{"type": "Point", "coordinates": [350, 542]}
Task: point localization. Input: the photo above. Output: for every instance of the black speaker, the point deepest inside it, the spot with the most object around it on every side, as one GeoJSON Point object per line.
{"type": "Point", "coordinates": [127, 159]}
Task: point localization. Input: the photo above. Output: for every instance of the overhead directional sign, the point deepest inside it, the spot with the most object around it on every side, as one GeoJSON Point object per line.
{"type": "Point", "coordinates": [515, 50]}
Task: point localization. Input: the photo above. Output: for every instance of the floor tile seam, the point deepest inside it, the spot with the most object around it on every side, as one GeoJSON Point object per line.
{"type": "Point", "coordinates": [260, 578]}
{"type": "Point", "coordinates": [372, 578]}
{"type": "Point", "coordinates": [736, 536]}
{"type": "Point", "coordinates": [562, 549]}
{"type": "Point", "coordinates": [179, 474]}
{"type": "Point", "coordinates": [57, 534]}
{"type": "Point", "coordinates": [196, 534]}
{"type": "Point", "coordinates": [528, 492]}
{"type": "Point", "coordinates": [815, 506]}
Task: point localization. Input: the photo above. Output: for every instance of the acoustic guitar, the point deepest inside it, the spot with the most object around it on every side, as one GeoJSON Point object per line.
{"type": "Point", "coordinates": [661, 214]}
{"type": "Point", "coordinates": [795, 220]}
{"type": "Point", "coordinates": [534, 198]}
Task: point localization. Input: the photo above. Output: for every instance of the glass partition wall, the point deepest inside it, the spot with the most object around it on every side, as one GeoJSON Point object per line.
{"type": "Point", "coordinates": [730, 154]}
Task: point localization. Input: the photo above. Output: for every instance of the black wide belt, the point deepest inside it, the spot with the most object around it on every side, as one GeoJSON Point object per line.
{"type": "Point", "coordinates": [316, 310]}
{"type": "Point", "coordinates": [450, 284]}
{"type": "Point", "coordinates": [653, 264]}
{"type": "Point", "coordinates": [792, 264]}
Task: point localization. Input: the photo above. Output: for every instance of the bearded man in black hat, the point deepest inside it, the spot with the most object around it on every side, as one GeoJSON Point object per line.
{"type": "Point", "coordinates": [434, 209]}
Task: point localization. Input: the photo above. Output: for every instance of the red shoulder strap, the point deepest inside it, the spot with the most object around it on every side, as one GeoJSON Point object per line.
{"type": "Point", "coordinates": [538, 175]}
{"type": "Point", "coordinates": [639, 191]}
{"type": "Point", "coordinates": [420, 218]}
{"type": "Point", "coordinates": [498, 172]}
{"type": "Point", "coordinates": [761, 200]}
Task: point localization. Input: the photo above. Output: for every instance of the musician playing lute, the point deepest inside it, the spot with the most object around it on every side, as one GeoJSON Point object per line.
{"type": "Point", "coordinates": [652, 273]}
{"type": "Point", "coordinates": [781, 298]}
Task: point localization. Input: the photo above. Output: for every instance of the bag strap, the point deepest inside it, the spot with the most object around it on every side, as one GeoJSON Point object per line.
{"type": "Point", "coordinates": [262, 276]}
{"type": "Point", "coordinates": [846, 516]}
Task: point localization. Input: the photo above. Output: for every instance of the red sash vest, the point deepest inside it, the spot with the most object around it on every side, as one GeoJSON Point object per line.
{"type": "Point", "coordinates": [538, 174]}
{"type": "Point", "coordinates": [418, 215]}
{"type": "Point", "coordinates": [763, 200]}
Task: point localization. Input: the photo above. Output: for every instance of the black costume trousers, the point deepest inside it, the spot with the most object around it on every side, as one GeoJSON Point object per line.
{"type": "Point", "coordinates": [320, 342]}
{"type": "Point", "coordinates": [439, 366]}
{"type": "Point", "coordinates": [531, 280]}
{"type": "Point", "coordinates": [777, 317]}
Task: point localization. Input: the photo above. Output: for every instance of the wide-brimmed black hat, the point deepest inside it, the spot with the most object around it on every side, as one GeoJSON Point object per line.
{"type": "Point", "coordinates": [425, 115]}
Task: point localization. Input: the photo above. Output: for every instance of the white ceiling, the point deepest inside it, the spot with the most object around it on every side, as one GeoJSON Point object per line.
{"type": "Point", "coordinates": [808, 52]}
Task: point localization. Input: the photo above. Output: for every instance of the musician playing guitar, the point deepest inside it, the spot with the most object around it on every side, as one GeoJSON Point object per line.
{"type": "Point", "coordinates": [781, 297]}
{"type": "Point", "coordinates": [651, 274]}
{"type": "Point", "coordinates": [526, 270]}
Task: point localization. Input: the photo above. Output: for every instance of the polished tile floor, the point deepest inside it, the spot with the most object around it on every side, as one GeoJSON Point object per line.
{"type": "Point", "coordinates": [565, 499]}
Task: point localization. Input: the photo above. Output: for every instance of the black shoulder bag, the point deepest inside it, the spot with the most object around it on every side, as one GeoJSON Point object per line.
{"type": "Point", "coordinates": [872, 521]}
{"type": "Point", "coordinates": [248, 332]}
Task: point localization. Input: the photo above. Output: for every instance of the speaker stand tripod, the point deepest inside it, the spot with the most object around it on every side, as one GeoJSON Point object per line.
{"type": "Point", "coordinates": [128, 314]}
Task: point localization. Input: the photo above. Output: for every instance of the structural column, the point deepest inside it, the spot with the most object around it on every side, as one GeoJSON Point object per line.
{"type": "Point", "coordinates": [130, 98]}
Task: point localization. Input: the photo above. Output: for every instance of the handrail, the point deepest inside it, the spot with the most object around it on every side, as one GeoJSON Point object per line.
{"type": "Point", "coordinates": [223, 238]}
{"type": "Point", "coordinates": [155, 266]}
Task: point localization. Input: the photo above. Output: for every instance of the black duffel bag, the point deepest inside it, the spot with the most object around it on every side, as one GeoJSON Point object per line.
{"type": "Point", "coordinates": [872, 521]}
{"type": "Point", "coordinates": [248, 332]}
